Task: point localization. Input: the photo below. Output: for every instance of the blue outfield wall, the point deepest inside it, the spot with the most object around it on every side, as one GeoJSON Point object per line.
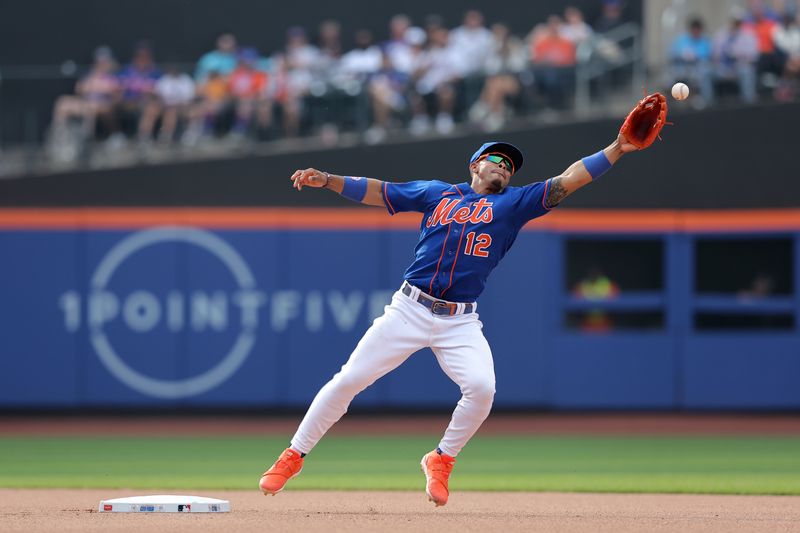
{"type": "Point", "coordinates": [187, 317]}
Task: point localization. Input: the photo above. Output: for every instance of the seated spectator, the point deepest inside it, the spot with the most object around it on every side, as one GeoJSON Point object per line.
{"type": "Point", "coordinates": [280, 94]}
{"type": "Point", "coordinates": [610, 17]}
{"type": "Point", "coordinates": [175, 94]}
{"type": "Point", "coordinates": [212, 101]}
{"type": "Point", "coordinates": [397, 48]}
{"type": "Point", "coordinates": [389, 88]}
{"type": "Point", "coordinates": [387, 93]}
{"type": "Point", "coordinates": [574, 27]}
{"type": "Point", "coordinates": [435, 77]}
{"type": "Point", "coordinates": [222, 60]}
{"type": "Point", "coordinates": [301, 59]}
{"type": "Point", "coordinates": [735, 53]}
{"type": "Point", "coordinates": [96, 95]}
{"type": "Point", "coordinates": [762, 24]}
{"type": "Point", "coordinates": [690, 58]}
{"type": "Point", "coordinates": [247, 86]}
{"type": "Point", "coordinates": [787, 42]}
{"type": "Point", "coordinates": [362, 61]}
{"type": "Point", "coordinates": [504, 65]}
{"type": "Point", "coordinates": [138, 82]}
{"type": "Point", "coordinates": [473, 42]}
{"type": "Point", "coordinates": [330, 48]}
{"type": "Point", "coordinates": [553, 59]}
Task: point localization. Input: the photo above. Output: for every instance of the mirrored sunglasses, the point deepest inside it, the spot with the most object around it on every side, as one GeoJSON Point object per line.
{"type": "Point", "coordinates": [498, 159]}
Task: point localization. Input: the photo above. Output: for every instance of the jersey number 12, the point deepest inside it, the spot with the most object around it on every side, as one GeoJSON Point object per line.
{"type": "Point", "coordinates": [477, 245]}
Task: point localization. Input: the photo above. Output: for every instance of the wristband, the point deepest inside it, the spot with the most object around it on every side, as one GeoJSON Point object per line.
{"type": "Point", "coordinates": [596, 164]}
{"type": "Point", "coordinates": [354, 188]}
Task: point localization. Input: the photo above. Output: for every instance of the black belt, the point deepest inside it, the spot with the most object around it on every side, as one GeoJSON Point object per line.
{"type": "Point", "coordinates": [437, 307]}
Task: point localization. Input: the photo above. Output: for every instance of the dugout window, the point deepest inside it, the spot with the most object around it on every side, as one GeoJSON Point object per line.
{"type": "Point", "coordinates": [744, 283]}
{"type": "Point", "coordinates": [614, 283]}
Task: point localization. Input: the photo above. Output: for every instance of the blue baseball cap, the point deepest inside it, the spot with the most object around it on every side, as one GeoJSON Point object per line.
{"type": "Point", "coordinates": [496, 147]}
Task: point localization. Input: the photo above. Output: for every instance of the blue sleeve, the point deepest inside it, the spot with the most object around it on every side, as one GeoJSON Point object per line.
{"type": "Point", "coordinates": [532, 201]}
{"type": "Point", "coordinates": [410, 196]}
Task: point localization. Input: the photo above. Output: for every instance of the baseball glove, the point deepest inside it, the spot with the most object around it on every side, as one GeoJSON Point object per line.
{"type": "Point", "coordinates": [644, 122]}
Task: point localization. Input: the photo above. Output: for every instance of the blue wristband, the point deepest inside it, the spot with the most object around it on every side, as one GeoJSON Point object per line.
{"type": "Point", "coordinates": [354, 188]}
{"type": "Point", "coordinates": [596, 164]}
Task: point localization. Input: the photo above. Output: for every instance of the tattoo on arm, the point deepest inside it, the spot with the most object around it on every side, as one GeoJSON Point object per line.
{"type": "Point", "coordinates": [556, 192]}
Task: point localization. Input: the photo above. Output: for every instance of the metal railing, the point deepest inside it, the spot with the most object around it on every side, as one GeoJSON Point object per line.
{"type": "Point", "coordinates": [619, 48]}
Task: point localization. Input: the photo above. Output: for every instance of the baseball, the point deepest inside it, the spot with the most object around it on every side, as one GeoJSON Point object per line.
{"type": "Point", "coordinates": [680, 91]}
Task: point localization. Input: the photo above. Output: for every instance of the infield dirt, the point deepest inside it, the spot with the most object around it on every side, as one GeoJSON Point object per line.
{"type": "Point", "coordinates": [328, 511]}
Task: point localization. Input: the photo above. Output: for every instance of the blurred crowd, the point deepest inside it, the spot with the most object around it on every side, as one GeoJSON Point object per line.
{"type": "Point", "coordinates": [755, 54]}
{"type": "Point", "coordinates": [423, 78]}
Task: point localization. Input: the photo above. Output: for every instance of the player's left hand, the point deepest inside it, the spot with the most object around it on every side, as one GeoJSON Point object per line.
{"type": "Point", "coordinates": [624, 145]}
{"type": "Point", "coordinates": [310, 177]}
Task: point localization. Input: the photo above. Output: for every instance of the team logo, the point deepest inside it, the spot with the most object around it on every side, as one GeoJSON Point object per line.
{"type": "Point", "coordinates": [142, 311]}
{"type": "Point", "coordinates": [446, 212]}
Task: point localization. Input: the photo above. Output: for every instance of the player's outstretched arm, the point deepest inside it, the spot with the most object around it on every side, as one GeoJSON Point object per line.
{"type": "Point", "coordinates": [356, 189]}
{"type": "Point", "coordinates": [577, 174]}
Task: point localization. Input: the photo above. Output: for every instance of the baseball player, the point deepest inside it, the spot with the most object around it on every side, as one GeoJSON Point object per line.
{"type": "Point", "coordinates": [466, 230]}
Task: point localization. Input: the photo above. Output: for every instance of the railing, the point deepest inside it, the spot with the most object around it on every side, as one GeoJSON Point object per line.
{"type": "Point", "coordinates": [622, 47]}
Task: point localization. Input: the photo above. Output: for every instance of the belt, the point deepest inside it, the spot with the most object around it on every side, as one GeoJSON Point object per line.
{"type": "Point", "coordinates": [437, 307]}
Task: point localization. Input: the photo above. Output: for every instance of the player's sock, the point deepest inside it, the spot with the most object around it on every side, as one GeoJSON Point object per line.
{"type": "Point", "coordinates": [301, 453]}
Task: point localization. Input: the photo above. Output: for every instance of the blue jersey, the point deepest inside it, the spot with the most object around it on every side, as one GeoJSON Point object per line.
{"type": "Point", "coordinates": [463, 234]}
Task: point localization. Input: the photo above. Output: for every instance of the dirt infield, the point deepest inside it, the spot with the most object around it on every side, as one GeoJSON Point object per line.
{"type": "Point", "coordinates": [563, 424]}
{"type": "Point", "coordinates": [325, 512]}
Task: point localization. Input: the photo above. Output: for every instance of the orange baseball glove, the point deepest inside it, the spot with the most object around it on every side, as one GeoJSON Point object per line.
{"type": "Point", "coordinates": [644, 122]}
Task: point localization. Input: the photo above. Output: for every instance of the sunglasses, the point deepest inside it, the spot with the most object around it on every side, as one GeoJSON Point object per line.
{"type": "Point", "coordinates": [498, 159]}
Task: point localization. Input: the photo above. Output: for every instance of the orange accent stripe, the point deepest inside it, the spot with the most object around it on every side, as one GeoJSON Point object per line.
{"type": "Point", "coordinates": [430, 287]}
{"type": "Point", "coordinates": [254, 218]}
{"type": "Point", "coordinates": [458, 252]}
{"type": "Point", "coordinates": [386, 197]}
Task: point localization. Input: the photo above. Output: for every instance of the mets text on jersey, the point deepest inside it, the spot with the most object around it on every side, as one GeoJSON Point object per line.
{"type": "Point", "coordinates": [481, 211]}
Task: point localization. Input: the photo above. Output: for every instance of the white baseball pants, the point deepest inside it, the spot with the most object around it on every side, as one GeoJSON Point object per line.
{"type": "Point", "coordinates": [406, 327]}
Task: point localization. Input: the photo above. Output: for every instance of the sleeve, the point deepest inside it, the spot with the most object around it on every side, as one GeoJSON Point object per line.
{"type": "Point", "coordinates": [410, 196]}
{"type": "Point", "coordinates": [532, 202]}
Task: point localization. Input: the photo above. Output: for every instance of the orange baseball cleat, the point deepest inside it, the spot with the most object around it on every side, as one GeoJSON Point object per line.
{"type": "Point", "coordinates": [437, 468]}
{"type": "Point", "coordinates": [288, 465]}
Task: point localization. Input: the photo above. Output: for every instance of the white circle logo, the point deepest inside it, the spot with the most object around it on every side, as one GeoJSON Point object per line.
{"type": "Point", "coordinates": [138, 381]}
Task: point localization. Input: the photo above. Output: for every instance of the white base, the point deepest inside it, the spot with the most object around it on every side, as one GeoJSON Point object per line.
{"type": "Point", "coordinates": [164, 503]}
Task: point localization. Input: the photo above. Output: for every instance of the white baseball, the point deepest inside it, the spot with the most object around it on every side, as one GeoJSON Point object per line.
{"type": "Point", "coordinates": [680, 91]}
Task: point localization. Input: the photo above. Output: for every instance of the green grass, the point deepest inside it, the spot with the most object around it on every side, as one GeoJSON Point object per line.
{"type": "Point", "coordinates": [724, 465]}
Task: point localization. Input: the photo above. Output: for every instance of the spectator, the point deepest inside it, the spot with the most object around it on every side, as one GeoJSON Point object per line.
{"type": "Point", "coordinates": [96, 95]}
{"type": "Point", "coordinates": [222, 60]}
{"type": "Point", "coordinates": [762, 24]}
{"type": "Point", "coordinates": [138, 82]}
{"type": "Point", "coordinates": [212, 102]}
{"type": "Point", "coordinates": [175, 93]}
{"type": "Point", "coordinates": [436, 74]}
{"type": "Point", "coordinates": [301, 60]}
{"type": "Point", "coordinates": [610, 17]}
{"type": "Point", "coordinates": [575, 28]}
{"type": "Point", "coordinates": [386, 89]}
{"type": "Point", "coordinates": [735, 52]}
{"type": "Point", "coordinates": [506, 62]}
{"type": "Point", "coordinates": [330, 48]}
{"type": "Point", "coordinates": [787, 42]}
{"type": "Point", "coordinates": [281, 94]}
{"type": "Point", "coordinates": [553, 59]}
{"type": "Point", "coordinates": [397, 48]}
{"type": "Point", "coordinates": [247, 86]}
{"type": "Point", "coordinates": [364, 60]}
{"type": "Point", "coordinates": [690, 56]}
{"type": "Point", "coordinates": [473, 42]}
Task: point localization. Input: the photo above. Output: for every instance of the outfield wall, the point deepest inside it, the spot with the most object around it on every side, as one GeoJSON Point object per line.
{"type": "Point", "coordinates": [244, 308]}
